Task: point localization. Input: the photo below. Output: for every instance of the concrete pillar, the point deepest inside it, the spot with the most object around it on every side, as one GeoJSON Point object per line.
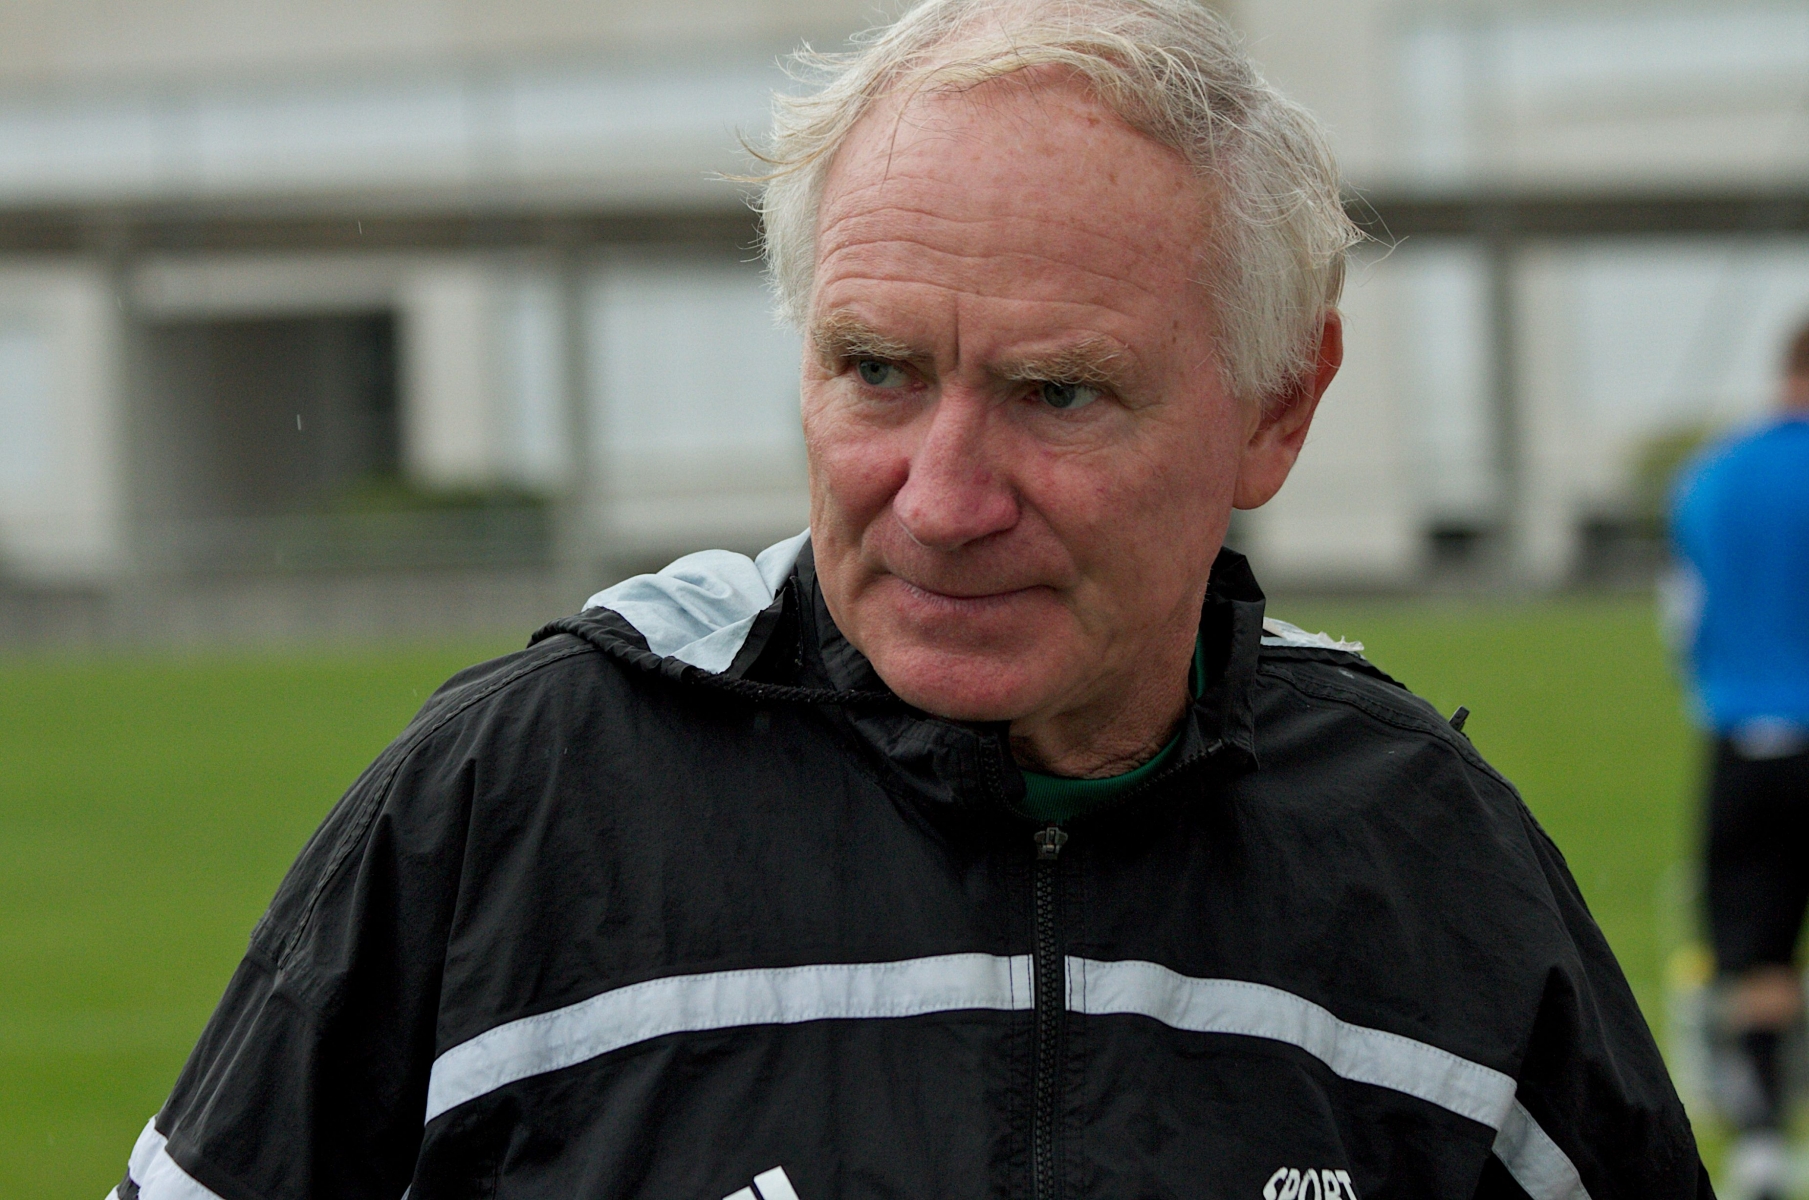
{"type": "Point", "coordinates": [581, 520]}
{"type": "Point", "coordinates": [483, 381]}
{"type": "Point", "coordinates": [449, 377]}
{"type": "Point", "coordinates": [693, 406]}
{"type": "Point", "coordinates": [1349, 515]}
{"type": "Point", "coordinates": [61, 490]}
{"type": "Point", "coordinates": [1552, 442]}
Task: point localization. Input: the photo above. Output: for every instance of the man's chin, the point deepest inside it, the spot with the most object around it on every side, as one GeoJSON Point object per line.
{"type": "Point", "coordinates": [963, 687]}
{"type": "Point", "coordinates": [995, 658]}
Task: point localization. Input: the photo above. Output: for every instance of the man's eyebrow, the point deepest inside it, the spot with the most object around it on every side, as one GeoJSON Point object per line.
{"type": "Point", "coordinates": [1090, 360]}
{"type": "Point", "coordinates": [841, 336]}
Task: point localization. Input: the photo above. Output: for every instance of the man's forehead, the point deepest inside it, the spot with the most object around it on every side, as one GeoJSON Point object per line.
{"type": "Point", "coordinates": [1034, 221]}
{"type": "Point", "coordinates": [1019, 149]}
{"type": "Point", "coordinates": [899, 299]}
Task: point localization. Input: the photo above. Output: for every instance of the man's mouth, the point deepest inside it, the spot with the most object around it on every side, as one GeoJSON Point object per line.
{"type": "Point", "coordinates": [957, 597]}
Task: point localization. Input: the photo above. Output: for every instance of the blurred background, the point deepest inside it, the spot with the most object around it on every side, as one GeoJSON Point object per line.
{"type": "Point", "coordinates": [342, 343]}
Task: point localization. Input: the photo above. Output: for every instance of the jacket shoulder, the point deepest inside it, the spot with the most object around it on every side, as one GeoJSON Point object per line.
{"type": "Point", "coordinates": [1346, 677]}
{"type": "Point", "coordinates": [500, 679]}
{"type": "Point", "coordinates": [1353, 758]}
{"type": "Point", "coordinates": [1296, 684]}
{"type": "Point", "coordinates": [411, 792]}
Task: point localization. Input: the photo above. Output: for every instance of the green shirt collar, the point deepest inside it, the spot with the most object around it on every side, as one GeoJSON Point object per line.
{"type": "Point", "coordinates": [1057, 798]}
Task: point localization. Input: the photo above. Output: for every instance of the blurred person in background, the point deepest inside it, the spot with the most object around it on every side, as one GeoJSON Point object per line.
{"type": "Point", "coordinates": [985, 840]}
{"type": "Point", "coordinates": [1740, 521]}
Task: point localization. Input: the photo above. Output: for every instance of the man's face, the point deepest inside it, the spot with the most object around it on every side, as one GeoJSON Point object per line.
{"type": "Point", "coordinates": [1022, 453]}
{"type": "Point", "coordinates": [1796, 392]}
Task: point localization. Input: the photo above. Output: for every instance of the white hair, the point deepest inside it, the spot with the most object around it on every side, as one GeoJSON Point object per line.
{"type": "Point", "coordinates": [1173, 70]}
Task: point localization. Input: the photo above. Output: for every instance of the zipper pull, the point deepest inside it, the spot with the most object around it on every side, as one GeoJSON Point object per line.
{"type": "Point", "coordinates": [1049, 843]}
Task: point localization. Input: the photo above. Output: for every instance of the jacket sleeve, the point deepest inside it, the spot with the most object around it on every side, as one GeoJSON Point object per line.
{"type": "Point", "coordinates": [1595, 1115]}
{"type": "Point", "coordinates": [310, 1080]}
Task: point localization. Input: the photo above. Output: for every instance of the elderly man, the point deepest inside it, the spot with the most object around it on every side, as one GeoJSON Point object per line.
{"type": "Point", "coordinates": [980, 842]}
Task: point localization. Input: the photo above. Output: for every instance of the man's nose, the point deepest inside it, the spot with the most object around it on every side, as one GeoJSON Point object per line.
{"type": "Point", "coordinates": [956, 492]}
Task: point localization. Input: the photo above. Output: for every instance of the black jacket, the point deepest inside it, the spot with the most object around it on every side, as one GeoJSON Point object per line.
{"type": "Point", "coordinates": [603, 923]}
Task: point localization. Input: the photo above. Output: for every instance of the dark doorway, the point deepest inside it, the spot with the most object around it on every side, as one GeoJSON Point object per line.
{"type": "Point", "coordinates": [246, 431]}
{"type": "Point", "coordinates": [275, 444]}
{"type": "Point", "coordinates": [265, 417]}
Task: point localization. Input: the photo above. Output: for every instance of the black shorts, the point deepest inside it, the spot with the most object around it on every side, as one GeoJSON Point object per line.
{"type": "Point", "coordinates": [1758, 857]}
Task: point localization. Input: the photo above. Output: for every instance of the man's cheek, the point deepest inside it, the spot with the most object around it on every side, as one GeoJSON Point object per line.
{"type": "Point", "coordinates": [859, 472]}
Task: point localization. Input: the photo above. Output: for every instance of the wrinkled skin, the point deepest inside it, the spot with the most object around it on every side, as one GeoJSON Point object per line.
{"type": "Point", "coordinates": [1023, 453]}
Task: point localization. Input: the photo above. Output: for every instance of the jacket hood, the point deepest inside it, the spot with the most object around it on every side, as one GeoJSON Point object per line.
{"type": "Point", "coordinates": [702, 608]}
{"type": "Point", "coordinates": [759, 627]}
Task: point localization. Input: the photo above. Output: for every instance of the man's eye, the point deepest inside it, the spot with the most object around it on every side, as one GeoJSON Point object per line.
{"type": "Point", "coordinates": [1066, 395]}
{"type": "Point", "coordinates": [877, 372]}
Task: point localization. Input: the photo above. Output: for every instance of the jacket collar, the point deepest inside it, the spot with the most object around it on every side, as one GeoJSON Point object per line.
{"type": "Point", "coordinates": [1231, 623]}
{"type": "Point", "coordinates": [952, 761]}
{"type": "Point", "coordinates": [781, 645]}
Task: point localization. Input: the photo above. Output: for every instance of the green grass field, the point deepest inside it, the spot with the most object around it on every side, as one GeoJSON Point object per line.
{"type": "Point", "coordinates": [148, 807]}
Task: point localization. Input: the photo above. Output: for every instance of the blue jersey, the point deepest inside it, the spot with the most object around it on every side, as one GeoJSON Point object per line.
{"type": "Point", "coordinates": [1740, 521]}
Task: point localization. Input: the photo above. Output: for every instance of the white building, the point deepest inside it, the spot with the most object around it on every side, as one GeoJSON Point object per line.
{"type": "Point", "coordinates": [1600, 209]}
{"type": "Point", "coordinates": [306, 308]}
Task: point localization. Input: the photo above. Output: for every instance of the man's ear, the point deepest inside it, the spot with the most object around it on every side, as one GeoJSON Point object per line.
{"type": "Point", "coordinates": [1280, 431]}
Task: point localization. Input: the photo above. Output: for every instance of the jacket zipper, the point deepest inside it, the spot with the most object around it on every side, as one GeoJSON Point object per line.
{"type": "Point", "coordinates": [1049, 998]}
